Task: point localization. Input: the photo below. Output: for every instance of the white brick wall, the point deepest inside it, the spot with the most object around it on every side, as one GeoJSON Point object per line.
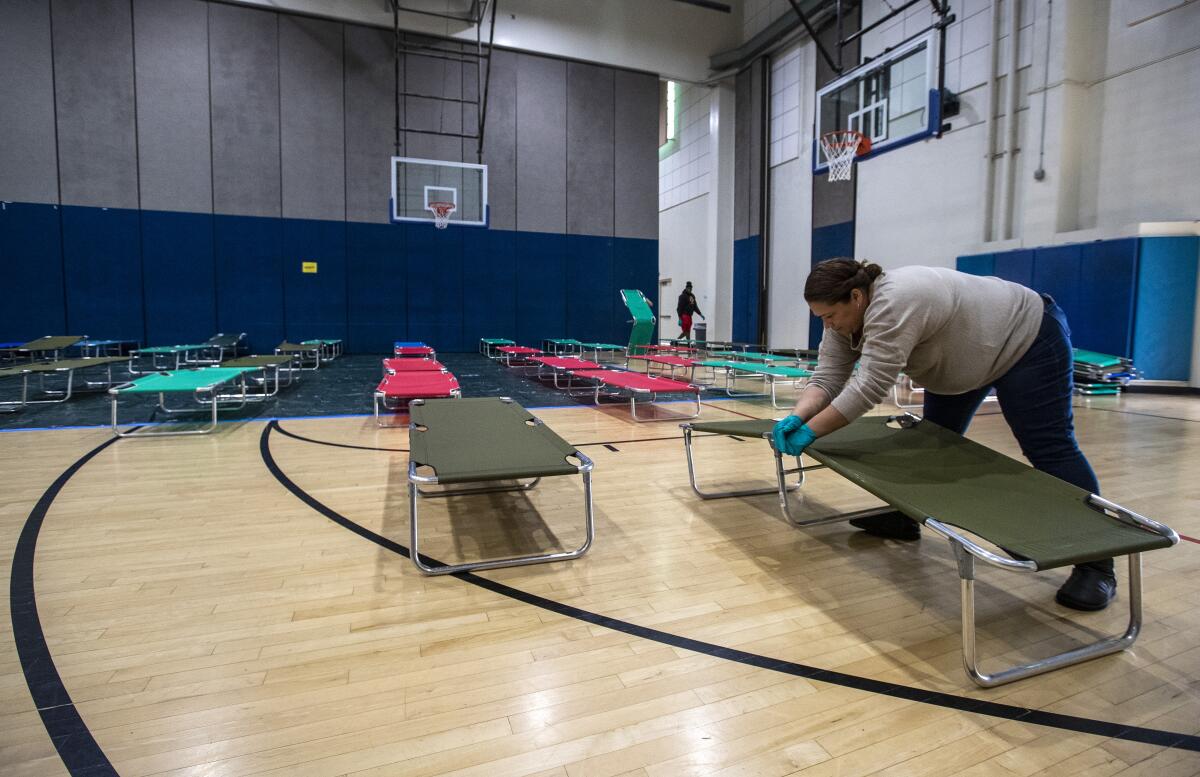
{"type": "Point", "coordinates": [790, 130]}
{"type": "Point", "coordinates": [686, 173]}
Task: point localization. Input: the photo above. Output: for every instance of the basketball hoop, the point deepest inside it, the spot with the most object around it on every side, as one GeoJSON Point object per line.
{"type": "Point", "coordinates": [441, 213]}
{"type": "Point", "coordinates": [840, 149]}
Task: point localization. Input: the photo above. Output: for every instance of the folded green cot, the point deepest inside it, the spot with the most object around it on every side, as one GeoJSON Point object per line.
{"type": "Point", "coordinates": [203, 385]}
{"type": "Point", "coordinates": [968, 493]}
{"type": "Point", "coordinates": [486, 440]}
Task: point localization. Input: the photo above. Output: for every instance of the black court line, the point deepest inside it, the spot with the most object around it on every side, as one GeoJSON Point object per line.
{"type": "Point", "coordinates": [937, 698]}
{"type": "Point", "coordinates": [80, 752]}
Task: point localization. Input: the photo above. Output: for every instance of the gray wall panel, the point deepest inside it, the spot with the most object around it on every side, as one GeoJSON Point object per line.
{"type": "Point", "coordinates": [541, 144]}
{"type": "Point", "coordinates": [244, 63]}
{"type": "Point", "coordinates": [755, 145]}
{"type": "Point", "coordinates": [741, 154]}
{"type": "Point", "coordinates": [93, 67]}
{"type": "Point", "coordinates": [311, 118]}
{"type": "Point", "coordinates": [590, 175]}
{"type": "Point", "coordinates": [28, 158]}
{"type": "Point", "coordinates": [370, 122]}
{"type": "Point", "coordinates": [171, 67]}
{"type": "Point", "coordinates": [636, 153]}
{"type": "Point", "coordinates": [500, 140]}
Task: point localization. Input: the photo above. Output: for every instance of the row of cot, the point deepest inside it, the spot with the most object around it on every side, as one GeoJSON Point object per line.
{"type": "Point", "coordinates": [995, 498]}
{"type": "Point", "coordinates": [716, 369]}
{"type": "Point", "coordinates": [578, 376]}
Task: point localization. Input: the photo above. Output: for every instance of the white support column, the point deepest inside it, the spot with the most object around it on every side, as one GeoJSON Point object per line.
{"type": "Point", "coordinates": [720, 211]}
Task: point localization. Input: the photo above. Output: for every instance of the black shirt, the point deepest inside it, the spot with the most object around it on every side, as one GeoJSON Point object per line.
{"type": "Point", "coordinates": [687, 304]}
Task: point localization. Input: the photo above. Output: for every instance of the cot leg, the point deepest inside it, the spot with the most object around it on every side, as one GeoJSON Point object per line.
{"type": "Point", "coordinates": [542, 558]}
{"type": "Point", "coordinates": [1102, 647]}
{"type": "Point", "coordinates": [687, 447]}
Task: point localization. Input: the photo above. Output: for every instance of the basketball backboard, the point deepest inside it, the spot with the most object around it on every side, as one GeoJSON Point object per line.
{"type": "Point", "coordinates": [893, 99]}
{"type": "Point", "coordinates": [418, 182]}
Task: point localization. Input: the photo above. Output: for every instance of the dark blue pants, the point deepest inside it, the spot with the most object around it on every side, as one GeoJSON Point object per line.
{"type": "Point", "coordinates": [1035, 396]}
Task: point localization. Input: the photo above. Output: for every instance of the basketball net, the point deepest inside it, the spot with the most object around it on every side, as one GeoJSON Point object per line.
{"type": "Point", "coordinates": [840, 148]}
{"type": "Point", "coordinates": [441, 213]}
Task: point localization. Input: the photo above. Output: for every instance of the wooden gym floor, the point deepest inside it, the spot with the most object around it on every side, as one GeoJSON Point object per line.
{"type": "Point", "coordinates": [182, 611]}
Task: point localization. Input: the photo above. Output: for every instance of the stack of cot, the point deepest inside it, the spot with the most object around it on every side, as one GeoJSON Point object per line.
{"type": "Point", "coordinates": [413, 372]}
{"type": "Point", "coordinates": [1101, 373]}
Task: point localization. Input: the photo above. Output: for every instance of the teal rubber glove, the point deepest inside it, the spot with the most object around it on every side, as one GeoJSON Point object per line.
{"type": "Point", "coordinates": [792, 436]}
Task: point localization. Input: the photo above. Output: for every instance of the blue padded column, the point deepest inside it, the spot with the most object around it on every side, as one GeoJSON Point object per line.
{"type": "Point", "coordinates": [745, 289]}
{"type": "Point", "coordinates": [178, 271]}
{"type": "Point", "coordinates": [103, 263]}
{"type": "Point", "coordinates": [1166, 307]}
{"type": "Point", "coordinates": [32, 301]}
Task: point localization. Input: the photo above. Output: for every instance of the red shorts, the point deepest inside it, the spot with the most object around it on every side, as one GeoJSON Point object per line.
{"type": "Point", "coordinates": [685, 324]}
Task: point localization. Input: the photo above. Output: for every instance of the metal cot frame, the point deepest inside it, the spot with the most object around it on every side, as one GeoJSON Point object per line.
{"type": "Point", "coordinates": [215, 401]}
{"type": "Point", "coordinates": [616, 390]}
{"type": "Point", "coordinates": [966, 553]}
{"type": "Point", "coordinates": [415, 490]}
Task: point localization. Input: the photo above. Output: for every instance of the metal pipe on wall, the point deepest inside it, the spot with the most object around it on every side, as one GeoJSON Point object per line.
{"type": "Point", "coordinates": [989, 155]}
{"type": "Point", "coordinates": [1013, 99]}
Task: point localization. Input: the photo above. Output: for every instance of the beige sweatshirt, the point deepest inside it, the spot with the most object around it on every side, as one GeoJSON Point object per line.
{"type": "Point", "coordinates": [949, 331]}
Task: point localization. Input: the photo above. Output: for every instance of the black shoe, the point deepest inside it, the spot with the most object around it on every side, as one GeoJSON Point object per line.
{"type": "Point", "coordinates": [1089, 588]}
{"type": "Point", "coordinates": [892, 526]}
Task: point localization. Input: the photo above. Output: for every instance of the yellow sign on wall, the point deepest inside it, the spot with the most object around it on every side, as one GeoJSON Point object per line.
{"type": "Point", "coordinates": [308, 267]}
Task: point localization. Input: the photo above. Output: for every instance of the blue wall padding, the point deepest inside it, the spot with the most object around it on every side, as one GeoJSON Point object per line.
{"type": "Point", "coordinates": [164, 278]}
{"type": "Point", "coordinates": [490, 285]}
{"type": "Point", "coordinates": [979, 264]}
{"type": "Point", "coordinates": [1166, 301]}
{"type": "Point", "coordinates": [314, 303]}
{"type": "Point", "coordinates": [745, 289]}
{"type": "Point", "coordinates": [376, 287]}
{"type": "Point", "coordinates": [1015, 266]}
{"type": "Point", "coordinates": [31, 263]}
{"type": "Point", "coordinates": [635, 266]}
{"type": "Point", "coordinates": [541, 287]}
{"type": "Point", "coordinates": [589, 267]}
{"type": "Point", "coordinates": [102, 262]}
{"type": "Point", "coordinates": [1056, 272]}
{"type": "Point", "coordinates": [1102, 318]}
{"type": "Point", "coordinates": [435, 284]}
{"type": "Point", "coordinates": [178, 277]}
{"type": "Point", "coordinates": [1132, 297]}
{"type": "Point", "coordinates": [248, 251]}
{"type": "Point", "coordinates": [828, 242]}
